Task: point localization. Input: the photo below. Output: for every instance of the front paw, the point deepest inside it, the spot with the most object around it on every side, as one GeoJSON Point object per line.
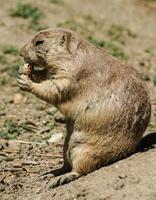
{"type": "Point", "coordinates": [24, 82]}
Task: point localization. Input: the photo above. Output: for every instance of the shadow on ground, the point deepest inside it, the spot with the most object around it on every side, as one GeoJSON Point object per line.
{"type": "Point", "coordinates": [147, 142]}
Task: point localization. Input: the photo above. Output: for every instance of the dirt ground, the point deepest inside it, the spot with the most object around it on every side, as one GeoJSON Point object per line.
{"type": "Point", "coordinates": [128, 29]}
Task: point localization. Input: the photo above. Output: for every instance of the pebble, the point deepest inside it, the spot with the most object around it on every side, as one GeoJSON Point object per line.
{"type": "Point", "coordinates": [59, 118]}
{"type": "Point", "coordinates": [44, 130]}
{"type": "Point", "coordinates": [14, 145]}
{"type": "Point", "coordinates": [118, 185]}
{"type": "Point", "coordinates": [56, 138]}
{"type": "Point", "coordinates": [18, 98]}
{"type": "Point", "coordinates": [52, 111]}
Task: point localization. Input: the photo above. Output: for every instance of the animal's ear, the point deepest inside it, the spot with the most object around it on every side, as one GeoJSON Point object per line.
{"type": "Point", "coordinates": [63, 39]}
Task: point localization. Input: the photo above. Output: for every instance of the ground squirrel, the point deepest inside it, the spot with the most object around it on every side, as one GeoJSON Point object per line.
{"type": "Point", "coordinates": [105, 102]}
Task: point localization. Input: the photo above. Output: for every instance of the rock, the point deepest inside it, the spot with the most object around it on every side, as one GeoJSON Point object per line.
{"type": "Point", "coordinates": [118, 184]}
{"type": "Point", "coordinates": [134, 180]}
{"type": "Point", "coordinates": [16, 164]}
{"type": "Point", "coordinates": [14, 146]}
{"type": "Point", "coordinates": [2, 113]}
{"type": "Point", "coordinates": [2, 188]}
{"type": "Point", "coordinates": [44, 130]}
{"type": "Point", "coordinates": [1, 146]}
{"type": "Point", "coordinates": [56, 138]}
{"type": "Point", "coordinates": [122, 176]}
{"type": "Point", "coordinates": [18, 98]}
{"type": "Point", "coordinates": [52, 111]}
{"type": "Point", "coordinates": [59, 118]}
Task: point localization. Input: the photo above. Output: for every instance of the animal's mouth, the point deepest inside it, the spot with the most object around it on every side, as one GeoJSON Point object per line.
{"type": "Point", "coordinates": [29, 62]}
{"type": "Point", "coordinates": [28, 69]}
{"type": "Point", "coordinates": [33, 65]}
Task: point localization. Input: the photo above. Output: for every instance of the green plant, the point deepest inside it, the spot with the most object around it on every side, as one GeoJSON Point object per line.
{"type": "Point", "coordinates": [80, 25]}
{"type": "Point", "coordinates": [96, 42]}
{"type": "Point", "coordinates": [10, 64]}
{"type": "Point", "coordinates": [3, 59]}
{"type": "Point", "coordinates": [10, 49]}
{"type": "Point", "coordinates": [13, 68]}
{"type": "Point", "coordinates": [3, 80]}
{"type": "Point", "coordinates": [114, 49]}
{"type": "Point", "coordinates": [26, 11]}
{"type": "Point", "coordinates": [36, 26]}
{"type": "Point", "coordinates": [57, 2]}
{"type": "Point", "coordinates": [11, 130]}
{"type": "Point", "coordinates": [89, 19]}
{"type": "Point", "coordinates": [118, 33]}
{"type": "Point", "coordinates": [71, 24]}
{"type": "Point", "coordinates": [150, 52]}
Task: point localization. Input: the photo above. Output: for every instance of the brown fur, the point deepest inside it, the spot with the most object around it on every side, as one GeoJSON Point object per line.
{"type": "Point", "coordinates": [105, 102]}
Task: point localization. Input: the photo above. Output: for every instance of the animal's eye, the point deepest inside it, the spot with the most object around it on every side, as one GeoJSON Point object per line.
{"type": "Point", "coordinates": [39, 42]}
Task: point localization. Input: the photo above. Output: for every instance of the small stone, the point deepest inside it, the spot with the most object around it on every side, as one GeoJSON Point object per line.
{"type": "Point", "coordinates": [17, 164]}
{"type": "Point", "coordinates": [18, 98]}
{"type": "Point", "coordinates": [29, 162]}
{"type": "Point", "coordinates": [52, 111]}
{"type": "Point", "coordinates": [2, 188]}
{"type": "Point", "coordinates": [2, 113]}
{"type": "Point", "coordinates": [39, 190]}
{"type": "Point", "coordinates": [30, 147]}
{"type": "Point", "coordinates": [45, 122]}
{"type": "Point", "coordinates": [118, 184]}
{"type": "Point", "coordinates": [14, 146]}
{"type": "Point", "coordinates": [122, 176]}
{"type": "Point", "coordinates": [56, 138]}
{"type": "Point", "coordinates": [44, 130]}
{"type": "Point", "coordinates": [59, 118]}
{"type": "Point", "coordinates": [135, 180]}
{"type": "Point", "coordinates": [1, 146]}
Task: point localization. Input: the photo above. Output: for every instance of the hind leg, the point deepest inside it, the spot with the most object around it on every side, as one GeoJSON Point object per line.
{"type": "Point", "coordinates": [82, 158]}
{"type": "Point", "coordinates": [64, 169]}
{"type": "Point", "coordinates": [61, 180]}
{"type": "Point", "coordinates": [81, 165]}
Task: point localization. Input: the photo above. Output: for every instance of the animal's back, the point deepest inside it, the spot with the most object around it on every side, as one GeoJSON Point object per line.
{"type": "Point", "coordinates": [112, 110]}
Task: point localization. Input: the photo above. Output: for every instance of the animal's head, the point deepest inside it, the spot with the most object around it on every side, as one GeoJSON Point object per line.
{"type": "Point", "coordinates": [49, 47]}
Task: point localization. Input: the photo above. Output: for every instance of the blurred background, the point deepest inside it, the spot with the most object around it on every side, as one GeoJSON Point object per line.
{"type": "Point", "coordinates": [127, 28]}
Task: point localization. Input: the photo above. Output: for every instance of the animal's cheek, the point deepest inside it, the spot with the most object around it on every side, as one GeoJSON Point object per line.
{"type": "Point", "coordinates": [32, 56]}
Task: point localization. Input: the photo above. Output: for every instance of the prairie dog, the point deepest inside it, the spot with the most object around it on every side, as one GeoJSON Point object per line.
{"type": "Point", "coordinates": [106, 104]}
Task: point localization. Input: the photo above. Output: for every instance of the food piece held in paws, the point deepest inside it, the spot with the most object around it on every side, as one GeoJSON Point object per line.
{"type": "Point", "coordinates": [26, 69]}
{"type": "Point", "coordinates": [105, 102]}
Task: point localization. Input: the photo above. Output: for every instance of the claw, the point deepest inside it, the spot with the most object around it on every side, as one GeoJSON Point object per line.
{"type": "Point", "coordinates": [53, 173]}
{"type": "Point", "coordinates": [61, 180]}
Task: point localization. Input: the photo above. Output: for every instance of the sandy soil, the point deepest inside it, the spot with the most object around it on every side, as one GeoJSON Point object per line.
{"type": "Point", "coordinates": [27, 123]}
